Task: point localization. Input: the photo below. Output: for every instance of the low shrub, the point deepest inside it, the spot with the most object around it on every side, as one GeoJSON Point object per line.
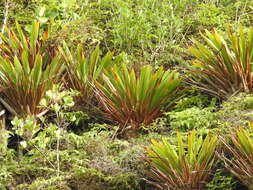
{"type": "Point", "coordinates": [85, 163]}
{"type": "Point", "coordinates": [190, 112]}
{"type": "Point", "coordinates": [133, 98]}
{"type": "Point", "coordinates": [221, 181]}
{"type": "Point", "coordinates": [192, 118]}
{"type": "Point", "coordinates": [182, 166]}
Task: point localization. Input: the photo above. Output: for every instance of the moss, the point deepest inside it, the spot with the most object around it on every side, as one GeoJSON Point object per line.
{"type": "Point", "coordinates": [236, 111]}
{"type": "Point", "coordinates": [92, 179]}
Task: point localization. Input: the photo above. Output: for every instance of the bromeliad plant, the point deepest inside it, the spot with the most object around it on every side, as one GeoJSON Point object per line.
{"type": "Point", "coordinates": [185, 166]}
{"type": "Point", "coordinates": [13, 43]}
{"type": "Point", "coordinates": [223, 67]}
{"type": "Point", "coordinates": [133, 98]}
{"type": "Point", "coordinates": [82, 71]}
{"type": "Point", "coordinates": [240, 145]}
{"type": "Point", "coordinates": [27, 70]}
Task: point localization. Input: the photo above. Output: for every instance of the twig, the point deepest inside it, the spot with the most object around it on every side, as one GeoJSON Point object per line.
{"type": "Point", "coordinates": [44, 155]}
{"type": "Point", "coordinates": [57, 155]}
{"type": "Point", "coordinates": [5, 104]}
{"type": "Point", "coordinates": [58, 122]}
{"type": "Point", "coordinates": [6, 12]}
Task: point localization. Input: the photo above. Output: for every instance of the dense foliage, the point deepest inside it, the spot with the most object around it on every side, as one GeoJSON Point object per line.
{"type": "Point", "coordinates": [126, 94]}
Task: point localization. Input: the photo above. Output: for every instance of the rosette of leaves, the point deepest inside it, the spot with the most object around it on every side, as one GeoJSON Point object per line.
{"type": "Point", "coordinates": [83, 71]}
{"type": "Point", "coordinates": [136, 98]}
{"type": "Point", "coordinates": [28, 68]}
{"type": "Point", "coordinates": [184, 166]}
{"type": "Point", "coordinates": [223, 66]}
{"type": "Point", "coordinates": [240, 145]}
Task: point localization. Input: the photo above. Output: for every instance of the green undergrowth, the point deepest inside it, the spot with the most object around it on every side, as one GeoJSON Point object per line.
{"type": "Point", "coordinates": [197, 112]}
{"type": "Point", "coordinates": [236, 111]}
{"type": "Point", "coordinates": [150, 31]}
{"type": "Point", "coordinates": [89, 161]}
{"type": "Point", "coordinates": [96, 160]}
